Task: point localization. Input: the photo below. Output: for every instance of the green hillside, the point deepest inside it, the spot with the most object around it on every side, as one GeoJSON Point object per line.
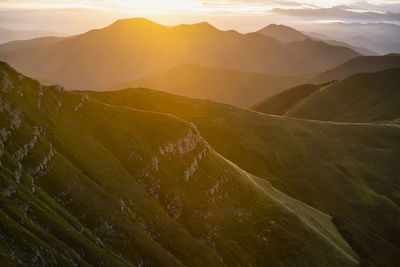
{"type": "Point", "coordinates": [366, 97]}
{"type": "Point", "coordinates": [87, 183]}
{"type": "Point", "coordinates": [349, 171]}
{"type": "Point", "coordinates": [281, 103]}
{"type": "Point", "coordinates": [358, 65]}
{"type": "Point", "coordinates": [233, 87]}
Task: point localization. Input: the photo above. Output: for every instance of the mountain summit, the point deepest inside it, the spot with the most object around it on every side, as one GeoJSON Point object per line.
{"type": "Point", "coordinates": [135, 48]}
{"type": "Point", "coordinates": [283, 33]}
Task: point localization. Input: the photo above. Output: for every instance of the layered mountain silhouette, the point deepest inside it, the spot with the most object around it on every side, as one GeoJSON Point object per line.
{"type": "Point", "coordinates": [136, 48]}
{"type": "Point", "coordinates": [286, 34]}
{"type": "Point", "coordinates": [234, 87]}
{"type": "Point", "coordinates": [358, 65]}
{"type": "Point", "coordinates": [382, 38]}
{"type": "Point", "coordinates": [283, 33]}
{"type": "Point", "coordinates": [7, 35]}
{"type": "Point", "coordinates": [365, 97]}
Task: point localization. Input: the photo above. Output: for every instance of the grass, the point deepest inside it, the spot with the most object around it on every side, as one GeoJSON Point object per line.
{"type": "Point", "coordinates": [348, 171]}
{"type": "Point", "coordinates": [121, 186]}
{"type": "Point", "coordinates": [366, 97]}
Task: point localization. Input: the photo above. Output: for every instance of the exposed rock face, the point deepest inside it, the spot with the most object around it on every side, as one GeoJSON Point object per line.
{"type": "Point", "coordinates": [83, 183]}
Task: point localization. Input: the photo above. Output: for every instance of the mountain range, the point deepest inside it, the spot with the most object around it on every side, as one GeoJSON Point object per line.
{"type": "Point", "coordinates": [219, 164]}
{"type": "Point", "coordinates": [286, 34]}
{"type": "Point", "coordinates": [7, 35]}
{"type": "Point", "coordinates": [239, 88]}
{"type": "Point", "coordinates": [382, 38]}
{"type": "Point", "coordinates": [137, 48]}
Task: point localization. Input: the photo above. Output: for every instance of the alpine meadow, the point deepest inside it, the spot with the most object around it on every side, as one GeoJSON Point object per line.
{"type": "Point", "coordinates": [200, 133]}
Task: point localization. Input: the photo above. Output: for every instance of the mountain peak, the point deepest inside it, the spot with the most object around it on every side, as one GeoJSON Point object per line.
{"type": "Point", "coordinates": [283, 33]}
{"type": "Point", "coordinates": [199, 26]}
{"type": "Point", "coordinates": [134, 22]}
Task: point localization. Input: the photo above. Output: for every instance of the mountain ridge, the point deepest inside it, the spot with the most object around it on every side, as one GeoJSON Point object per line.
{"type": "Point", "coordinates": [138, 48]}
{"type": "Point", "coordinates": [170, 198]}
{"type": "Point", "coordinates": [234, 87]}
{"type": "Point", "coordinates": [363, 97]}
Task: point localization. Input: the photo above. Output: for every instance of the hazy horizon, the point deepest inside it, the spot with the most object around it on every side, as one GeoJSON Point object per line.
{"type": "Point", "coordinates": [73, 17]}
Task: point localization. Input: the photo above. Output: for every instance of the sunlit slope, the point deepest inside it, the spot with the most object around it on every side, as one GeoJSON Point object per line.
{"type": "Point", "coordinates": [283, 102]}
{"type": "Point", "coordinates": [349, 171]}
{"type": "Point", "coordinates": [136, 48]}
{"type": "Point", "coordinates": [88, 183]}
{"type": "Point", "coordinates": [234, 87]}
{"type": "Point", "coordinates": [367, 97]}
{"type": "Point", "coordinates": [358, 65]}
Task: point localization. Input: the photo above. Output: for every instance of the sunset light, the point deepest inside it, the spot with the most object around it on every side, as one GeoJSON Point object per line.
{"type": "Point", "coordinates": [200, 133]}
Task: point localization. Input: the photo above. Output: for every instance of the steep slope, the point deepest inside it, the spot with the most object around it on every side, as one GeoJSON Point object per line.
{"type": "Point", "coordinates": [136, 48]}
{"type": "Point", "coordinates": [87, 183]}
{"type": "Point", "coordinates": [283, 102]}
{"type": "Point", "coordinates": [349, 171]}
{"type": "Point", "coordinates": [358, 65]}
{"type": "Point", "coordinates": [234, 87]}
{"type": "Point", "coordinates": [366, 97]}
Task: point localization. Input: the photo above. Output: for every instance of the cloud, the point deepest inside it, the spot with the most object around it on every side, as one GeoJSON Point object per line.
{"type": "Point", "coordinates": [342, 13]}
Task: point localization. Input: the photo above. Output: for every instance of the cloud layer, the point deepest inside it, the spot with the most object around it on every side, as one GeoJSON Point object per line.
{"type": "Point", "coordinates": [244, 15]}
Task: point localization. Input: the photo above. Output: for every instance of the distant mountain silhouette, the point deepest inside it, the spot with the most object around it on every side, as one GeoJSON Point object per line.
{"type": "Point", "coordinates": [382, 38]}
{"type": "Point", "coordinates": [286, 34]}
{"type": "Point", "coordinates": [234, 87]}
{"type": "Point", "coordinates": [135, 48]}
{"type": "Point", "coordinates": [283, 33]}
{"type": "Point", "coordinates": [7, 35]}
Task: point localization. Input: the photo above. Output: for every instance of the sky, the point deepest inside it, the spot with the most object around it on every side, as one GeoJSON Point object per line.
{"type": "Point", "coordinates": [244, 15]}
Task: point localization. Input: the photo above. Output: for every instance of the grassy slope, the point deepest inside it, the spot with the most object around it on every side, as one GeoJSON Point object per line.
{"type": "Point", "coordinates": [367, 97]}
{"type": "Point", "coordinates": [90, 183]}
{"type": "Point", "coordinates": [349, 171]}
{"type": "Point", "coordinates": [281, 103]}
{"type": "Point", "coordinates": [358, 65]}
{"type": "Point", "coordinates": [233, 87]}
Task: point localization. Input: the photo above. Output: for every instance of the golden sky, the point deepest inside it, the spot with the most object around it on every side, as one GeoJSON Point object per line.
{"type": "Point", "coordinates": [245, 15]}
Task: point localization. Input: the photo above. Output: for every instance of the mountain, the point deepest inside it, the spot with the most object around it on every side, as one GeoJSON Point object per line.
{"type": "Point", "coordinates": [7, 35]}
{"type": "Point", "coordinates": [365, 97]}
{"type": "Point", "coordinates": [376, 45]}
{"type": "Point", "coordinates": [382, 38]}
{"type": "Point", "coordinates": [286, 34]}
{"type": "Point", "coordinates": [283, 33]}
{"type": "Point", "coordinates": [136, 48]}
{"type": "Point", "coordinates": [348, 171]}
{"type": "Point", "coordinates": [88, 183]}
{"type": "Point", "coordinates": [282, 103]}
{"type": "Point", "coordinates": [358, 65]}
{"type": "Point", "coordinates": [234, 87]}
{"type": "Point", "coordinates": [359, 49]}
